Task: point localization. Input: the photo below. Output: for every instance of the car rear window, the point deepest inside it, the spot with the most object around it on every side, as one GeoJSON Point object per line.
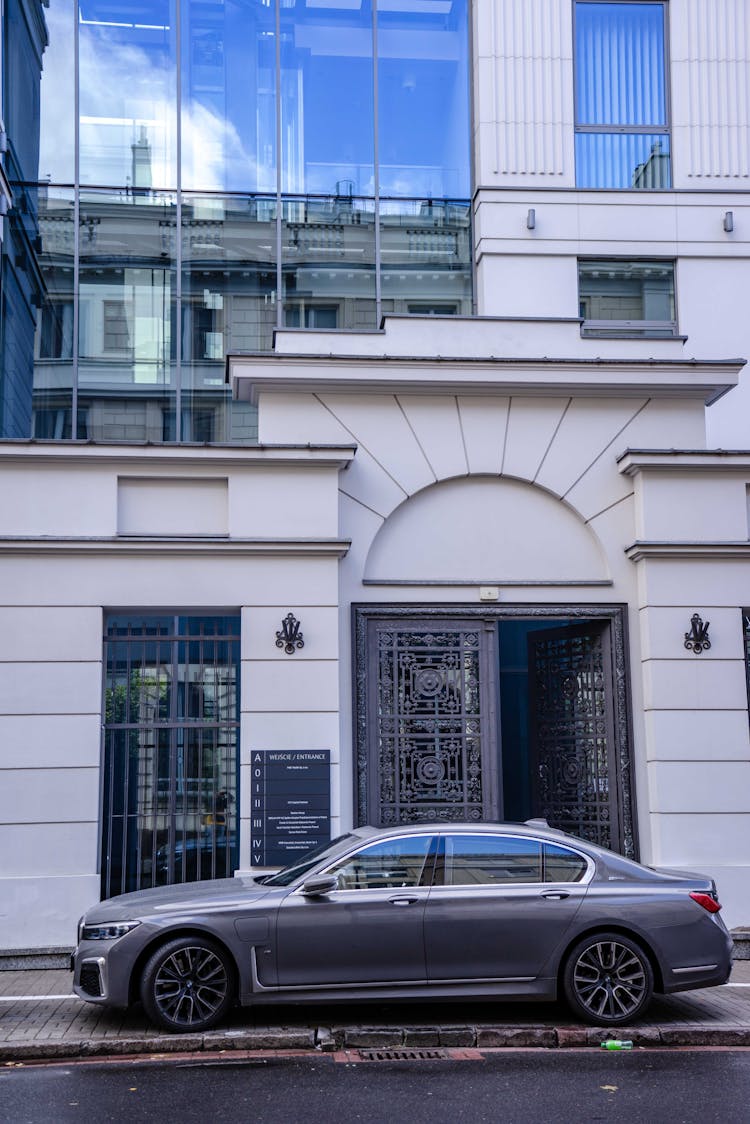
{"type": "Point", "coordinates": [562, 865]}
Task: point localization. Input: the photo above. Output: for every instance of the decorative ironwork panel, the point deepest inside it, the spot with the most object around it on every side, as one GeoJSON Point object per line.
{"type": "Point", "coordinates": [572, 734]}
{"type": "Point", "coordinates": [171, 731]}
{"type": "Point", "coordinates": [429, 747]}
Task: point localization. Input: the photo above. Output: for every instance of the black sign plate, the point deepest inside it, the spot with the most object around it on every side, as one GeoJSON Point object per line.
{"type": "Point", "coordinates": [291, 804]}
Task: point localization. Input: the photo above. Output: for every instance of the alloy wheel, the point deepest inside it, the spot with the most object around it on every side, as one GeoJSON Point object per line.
{"type": "Point", "coordinates": [187, 985]}
{"type": "Point", "coordinates": [608, 980]}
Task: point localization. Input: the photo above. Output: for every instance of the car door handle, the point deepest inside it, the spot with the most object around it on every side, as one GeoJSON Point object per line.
{"type": "Point", "coordinates": [403, 901]}
{"type": "Point", "coordinates": [555, 895]}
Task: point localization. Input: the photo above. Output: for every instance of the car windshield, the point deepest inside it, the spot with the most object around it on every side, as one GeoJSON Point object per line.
{"type": "Point", "coordinates": [290, 873]}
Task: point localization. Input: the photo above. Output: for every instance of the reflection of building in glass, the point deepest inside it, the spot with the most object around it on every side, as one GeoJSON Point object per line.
{"type": "Point", "coordinates": [188, 235]}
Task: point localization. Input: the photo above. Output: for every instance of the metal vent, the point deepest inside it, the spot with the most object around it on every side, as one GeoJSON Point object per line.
{"type": "Point", "coordinates": [402, 1054]}
{"type": "Point", "coordinates": [90, 979]}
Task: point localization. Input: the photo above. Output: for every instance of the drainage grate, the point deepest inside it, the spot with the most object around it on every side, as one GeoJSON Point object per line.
{"type": "Point", "coordinates": [402, 1054]}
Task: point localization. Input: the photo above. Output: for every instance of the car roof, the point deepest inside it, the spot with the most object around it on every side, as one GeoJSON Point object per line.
{"type": "Point", "coordinates": [533, 828]}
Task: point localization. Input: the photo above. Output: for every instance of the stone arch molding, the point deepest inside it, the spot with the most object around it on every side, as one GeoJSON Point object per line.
{"type": "Point", "coordinates": [485, 529]}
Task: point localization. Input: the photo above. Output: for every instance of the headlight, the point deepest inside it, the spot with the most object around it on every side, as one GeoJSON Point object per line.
{"type": "Point", "coordinates": [111, 932]}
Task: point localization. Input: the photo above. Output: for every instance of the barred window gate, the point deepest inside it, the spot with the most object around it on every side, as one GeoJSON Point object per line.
{"type": "Point", "coordinates": [171, 727]}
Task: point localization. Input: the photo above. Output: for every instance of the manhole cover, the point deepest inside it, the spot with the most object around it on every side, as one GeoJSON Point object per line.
{"type": "Point", "coordinates": [401, 1054]}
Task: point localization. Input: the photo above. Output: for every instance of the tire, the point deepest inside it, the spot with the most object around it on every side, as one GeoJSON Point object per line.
{"type": "Point", "coordinates": [188, 984]}
{"type": "Point", "coordinates": [608, 980]}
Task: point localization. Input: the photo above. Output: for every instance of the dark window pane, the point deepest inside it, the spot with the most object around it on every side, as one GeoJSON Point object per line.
{"type": "Point", "coordinates": [127, 93]}
{"type": "Point", "coordinates": [423, 99]}
{"type": "Point", "coordinates": [623, 160]}
{"type": "Point", "coordinates": [326, 92]}
{"type": "Point", "coordinates": [622, 137]}
{"type": "Point", "coordinates": [394, 863]}
{"type": "Point", "coordinates": [228, 95]}
{"type": "Point", "coordinates": [562, 865]}
{"type": "Point", "coordinates": [620, 64]}
{"type": "Point", "coordinates": [491, 861]}
{"type": "Point", "coordinates": [627, 296]}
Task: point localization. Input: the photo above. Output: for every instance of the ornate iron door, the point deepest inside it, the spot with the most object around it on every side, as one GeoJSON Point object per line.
{"type": "Point", "coordinates": [433, 730]}
{"type": "Point", "coordinates": [574, 758]}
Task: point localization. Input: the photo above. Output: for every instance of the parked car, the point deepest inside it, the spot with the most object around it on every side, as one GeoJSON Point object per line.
{"type": "Point", "coordinates": [190, 858]}
{"type": "Point", "coordinates": [503, 912]}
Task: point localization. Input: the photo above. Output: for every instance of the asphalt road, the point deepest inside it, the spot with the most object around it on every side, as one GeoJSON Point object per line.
{"type": "Point", "coordinates": [515, 1087]}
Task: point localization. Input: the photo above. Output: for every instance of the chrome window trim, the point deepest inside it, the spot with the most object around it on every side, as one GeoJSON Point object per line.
{"type": "Point", "coordinates": [583, 881]}
{"type": "Point", "coordinates": [370, 843]}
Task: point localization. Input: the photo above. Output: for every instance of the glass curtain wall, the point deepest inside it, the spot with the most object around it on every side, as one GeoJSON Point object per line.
{"type": "Point", "coordinates": [203, 172]}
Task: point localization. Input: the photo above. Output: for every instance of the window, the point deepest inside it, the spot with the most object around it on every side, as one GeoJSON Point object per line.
{"type": "Point", "coordinates": [392, 864]}
{"type": "Point", "coordinates": [621, 297]}
{"type": "Point", "coordinates": [117, 314]}
{"type": "Point", "coordinates": [170, 738]}
{"type": "Point", "coordinates": [491, 861]}
{"type": "Point", "coordinates": [621, 101]}
{"type": "Point", "coordinates": [562, 865]}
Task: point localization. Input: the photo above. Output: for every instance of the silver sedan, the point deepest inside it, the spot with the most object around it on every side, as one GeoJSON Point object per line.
{"type": "Point", "coordinates": [496, 911]}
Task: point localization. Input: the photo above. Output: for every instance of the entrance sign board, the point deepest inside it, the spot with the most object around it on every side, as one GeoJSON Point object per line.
{"type": "Point", "coordinates": [291, 804]}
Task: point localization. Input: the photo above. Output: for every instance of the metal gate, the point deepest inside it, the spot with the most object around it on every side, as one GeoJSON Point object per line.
{"type": "Point", "coordinates": [572, 732]}
{"type": "Point", "coordinates": [427, 717]}
{"type": "Point", "coordinates": [171, 722]}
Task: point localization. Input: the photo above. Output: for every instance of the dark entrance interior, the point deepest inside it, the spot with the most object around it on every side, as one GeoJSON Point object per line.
{"type": "Point", "coordinates": [504, 715]}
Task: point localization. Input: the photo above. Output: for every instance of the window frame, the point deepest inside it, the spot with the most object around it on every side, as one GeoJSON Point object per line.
{"type": "Point", "coordinates": [427, 874]}
{"type": "Point", "coordinates": [439, 874]}
{"type": "Point", "coordinates": [582, 129]}
{"type": "Point", "coordinates": [629, 329]}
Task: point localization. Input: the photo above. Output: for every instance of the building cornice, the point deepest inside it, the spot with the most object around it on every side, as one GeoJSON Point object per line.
{"type": "Point", "coordinates": [688, 551]}
{"type": "Point", "coordinates": [253, 375]}
{"type": "Point", "coordinates": [633, 462]}
{"type": "Point", "coordinates": [161, 545]}
{"type": "Point", "coordinates": [178, 456]}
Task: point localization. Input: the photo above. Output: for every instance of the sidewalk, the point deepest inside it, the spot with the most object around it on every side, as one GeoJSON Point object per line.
{"type": "Point", "coordinates": [40, 1018]}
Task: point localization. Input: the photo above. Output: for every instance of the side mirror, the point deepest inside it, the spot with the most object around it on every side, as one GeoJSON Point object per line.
{"type": "Point", "coordinates": [320, 885]}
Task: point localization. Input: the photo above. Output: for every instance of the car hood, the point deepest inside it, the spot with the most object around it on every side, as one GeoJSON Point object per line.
{"type": "Point", "coordinates": [193, 896]}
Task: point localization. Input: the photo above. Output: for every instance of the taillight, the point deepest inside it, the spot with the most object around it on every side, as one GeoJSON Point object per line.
{"type": "Point", "coordinates": [706, 901]}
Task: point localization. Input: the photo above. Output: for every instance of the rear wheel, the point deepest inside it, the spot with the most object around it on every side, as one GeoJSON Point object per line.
{"type": "Point", "coordinates": [188, 984]}
{"type": "Point", "coordinates": [608, 980]}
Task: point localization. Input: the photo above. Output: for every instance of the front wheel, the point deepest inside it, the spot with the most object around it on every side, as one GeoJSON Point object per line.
{"type": "Point", "coordinates": [187, 984]}
{"type": "Point", "coordinates": [608, 980]}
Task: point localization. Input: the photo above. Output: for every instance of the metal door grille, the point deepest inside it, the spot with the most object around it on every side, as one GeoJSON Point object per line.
{"type": "Point", "coordinates": [572, 735]}
{"type": "Point", "coordinates": [171, 721]}
{"type": "Point", "coordinates": [431, 698]}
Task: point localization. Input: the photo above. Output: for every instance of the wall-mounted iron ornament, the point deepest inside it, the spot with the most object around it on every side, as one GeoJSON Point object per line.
{"type": "Point", "coordinates": [697, 639]}
{"type": "Point", "coordinates": [289, 637]}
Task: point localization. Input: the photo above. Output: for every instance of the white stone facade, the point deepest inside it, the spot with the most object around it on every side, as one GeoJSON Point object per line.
{"type": "Point", "coordinates": [503, 459]}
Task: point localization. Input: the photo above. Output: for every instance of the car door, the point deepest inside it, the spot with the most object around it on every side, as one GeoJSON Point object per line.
{"type": "Point", "coordinates": [370, 930]}
{"type": "Point", "coordinates": [495, 916]}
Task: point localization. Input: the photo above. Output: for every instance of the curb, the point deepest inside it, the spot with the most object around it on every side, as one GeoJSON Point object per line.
{"type": "Point", "coordinates": [328, 1039]}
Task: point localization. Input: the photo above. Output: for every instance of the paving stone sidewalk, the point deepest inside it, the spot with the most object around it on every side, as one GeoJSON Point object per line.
{"type": "Point", "coordinates": [40, 1018]}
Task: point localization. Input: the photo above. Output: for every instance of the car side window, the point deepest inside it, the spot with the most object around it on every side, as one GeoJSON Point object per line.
{"type": "Point", "coordinates": [562, 865]}
{"type": "Point", "coordinates": [491, 860]}
{"type": "Point", "coordinates": [390, 864]}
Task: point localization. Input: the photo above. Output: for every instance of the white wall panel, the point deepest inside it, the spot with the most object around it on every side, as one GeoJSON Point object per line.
{"type": "Point", "coordinates": [320, 629]}
{"type": "Point", "coordinates": [53, 688]}
{"type": "Point", "coordinates": [30, 633]}
{"type": "Point", "coordinates": [711, 92]}
{"type": "Point", "coordinates": [48, 741]}
{"type": "Point", "coordinates": [298, 685]}
{"type": "Point", "coordinates": [35, 795]}
{"type": "Point", "coordinates": [44, 912]}
{"type": "Point", "coordinates": [682, 685]}
{"type": "Point", "coordinates": [697, 735]}
{"type": "Point", "coordinates": [700, 786]}
{"type": "Point", "coordinates": [436, 424]}
{"type": "Point", "coordinates": [532, 423]}
{"type": "Point", "coordinates": [483, 421]}
{"type": "Point", "coordinates": [42, 849]}
{"type": "Point", "coordinates": [663, 630]}
{"type": "Point", "coordinates": [523, 92]}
